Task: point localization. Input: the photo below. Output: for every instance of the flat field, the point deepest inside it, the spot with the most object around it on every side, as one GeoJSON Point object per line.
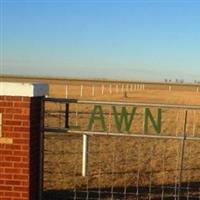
{"type": "Point", "coordinates": [123, 167]}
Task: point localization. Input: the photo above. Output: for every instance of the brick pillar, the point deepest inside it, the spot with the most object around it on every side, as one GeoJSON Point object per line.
{"type": "Point", "coordinates": [21, 140]}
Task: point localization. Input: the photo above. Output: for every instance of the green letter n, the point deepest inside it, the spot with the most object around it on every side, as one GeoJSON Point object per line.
{"type": "Point", "coordinates": [97, 114]}
{"type": "Point", "coordinates": [148, 115]}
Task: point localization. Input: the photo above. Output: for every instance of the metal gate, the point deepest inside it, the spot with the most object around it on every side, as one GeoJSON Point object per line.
{"type": "Point", "coordinates": [120, 150]}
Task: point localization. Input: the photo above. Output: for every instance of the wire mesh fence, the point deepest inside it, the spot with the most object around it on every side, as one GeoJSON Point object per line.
{"type": "Point", "coordinates": [131, 152]}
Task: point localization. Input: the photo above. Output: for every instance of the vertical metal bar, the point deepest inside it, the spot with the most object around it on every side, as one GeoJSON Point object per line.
{"type": "Point", "coordinates": [99, 171]}
{"type": "Point", "coordinates": [77, 114]}
{"type": "Point", "coordinates": [163, 167]}
{"type": "Point", "coordinates": [150, 174]}
{"type": "Point", "coordinates": [138, 169]}
{"type": "Point", "coordinates": [194, 123]}
{"type": "Point", "coordinates": [177, 120]}
{"type": "Point", "coordinates": [110, 120]}
{"type": "Point", "coordinates": [113, 168]}
{"type": "Point", "coordinates": [66, 115]}
{"type": "Point", "coordinates": [60, 116]}
{"type": "Point", "coordinates": [125, 174]}
{"type": "Point", "coordinates": [189, 176]}
{"type": "Point", "coordinates": [85, 156]}
{"type": "Point", "coordinates": [41, 167]}
{"type": "Point", "coordinates": [182, 154]}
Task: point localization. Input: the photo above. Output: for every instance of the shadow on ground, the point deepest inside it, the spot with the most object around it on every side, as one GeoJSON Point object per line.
{"type": "Point", "coordinates": [189, 191]}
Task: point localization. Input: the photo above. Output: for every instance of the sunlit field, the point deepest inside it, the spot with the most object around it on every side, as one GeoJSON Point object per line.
{"type": "Point", "coordinates": [122, 167]}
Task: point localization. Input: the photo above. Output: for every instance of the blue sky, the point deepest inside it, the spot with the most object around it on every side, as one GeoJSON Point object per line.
{"type": "Point", "coordinates": [148, 40]}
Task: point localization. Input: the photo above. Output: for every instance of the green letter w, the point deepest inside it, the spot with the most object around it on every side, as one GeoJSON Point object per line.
{"type": "Point", "coordinates": [123, 118]}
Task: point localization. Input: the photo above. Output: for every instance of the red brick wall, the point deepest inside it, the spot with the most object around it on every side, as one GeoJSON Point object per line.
{"type": "Point", "coordinates": [20, 161]}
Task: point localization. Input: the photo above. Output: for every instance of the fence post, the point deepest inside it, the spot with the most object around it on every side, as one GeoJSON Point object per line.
{"type": "Point", "coordinates": [81, 91]}
{"type": "Point", "coordinates": [116, 88]}
{"type": "Point", "coordinates": [110, 89]}
{"type": "Point", "coordinates": [181, 157]}
{"type": "Point", "coordinates": [85, 156]}
{"type": "Point", "coordinates": [66, 115]}
{"type": "Point", "coordinates": [135, 87]}
{"type": "Point", "coordinates": [127, 87]}
{"type": "Point", "coordinates": [102, 89]}
{"type": "Point", "coordinates": [93, 90]}
{"type": "Point", "coordinates": [143, 87]}
{"type": "Point", "coordinates": [66, 91]}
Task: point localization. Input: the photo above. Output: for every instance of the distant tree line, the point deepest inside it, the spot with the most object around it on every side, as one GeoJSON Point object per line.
{"type": "Point", "coordinates": [174, 81]}
{"type": "Point", "coordinates": [178, 81]}
{"type": "Point", "coordinates": [196, 82]}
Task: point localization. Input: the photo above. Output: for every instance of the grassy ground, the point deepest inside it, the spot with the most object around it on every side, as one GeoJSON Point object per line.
{"type": "Point", "coordinates": [122, 167]}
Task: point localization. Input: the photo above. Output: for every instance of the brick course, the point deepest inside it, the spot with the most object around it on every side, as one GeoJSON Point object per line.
{"type": "Point", "coordinates": [20, 162]}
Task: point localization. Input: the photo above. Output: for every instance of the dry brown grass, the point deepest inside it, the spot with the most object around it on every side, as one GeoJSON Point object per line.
{"type": "Point", "coordinates": [119, 166]}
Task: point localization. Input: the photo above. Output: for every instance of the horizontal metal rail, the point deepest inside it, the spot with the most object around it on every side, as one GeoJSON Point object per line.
{"type": "Point", "coordinates": [56, 130]}
{"type": "Point", "coordinates": [123, 103]}
{"type": "Point", "coordinates": [60, 100]}
{"type": "Point", "coordinates": [65, 130]}
{"type": "Point", "coordinates": [120, 103]}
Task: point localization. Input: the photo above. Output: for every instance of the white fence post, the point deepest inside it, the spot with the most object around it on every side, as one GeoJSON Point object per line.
{"type": "Point", "coordinates": [110, 89]}
{"type": "Point", "coordinates": [131, 89]}
{"type": "Point", "coordinates": [135, 87]}
{"type": "Point", "coordinates": [81, 91]}
{"type": "Point", "coordinates": [85, 156]}
{"type": "Point", "coordinates": [102, 89]}
{"type": "Point", "coordinates": [93, 90]}
{"type": "Point", "coordinates": [116, 88]}
{"type": "Point", "coordinates": [66, 91]}
{"type": "Point", "coordinates": [127, 87]}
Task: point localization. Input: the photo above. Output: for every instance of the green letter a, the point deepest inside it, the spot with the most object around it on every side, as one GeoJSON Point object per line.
{"type": "Point", "coordinates": [97, 114]}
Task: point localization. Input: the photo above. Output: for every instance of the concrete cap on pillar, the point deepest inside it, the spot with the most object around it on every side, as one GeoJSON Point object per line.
{"type": "Point", "coordinates": [23, 89]}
